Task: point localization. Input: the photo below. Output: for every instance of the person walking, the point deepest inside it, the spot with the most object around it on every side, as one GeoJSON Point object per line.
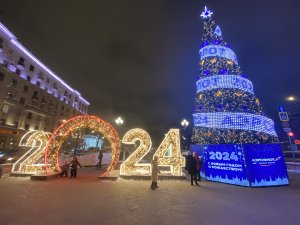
{"type": "Point", "coordinates": [198, 165]}
{"type": "Point", "coordinates": [154, 173]}
{"type": "Point", "coordinates": [74, 164]}
{"type": "Point", "coordinates": [100, 156]}
{"type": "Point", "coordinates": [192, 168]}
{"type": "Point", "coordinates": [64, 169]}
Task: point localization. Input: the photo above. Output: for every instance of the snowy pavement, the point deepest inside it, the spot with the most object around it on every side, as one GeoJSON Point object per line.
{"type": "Point", "coordinates": [88, 201]}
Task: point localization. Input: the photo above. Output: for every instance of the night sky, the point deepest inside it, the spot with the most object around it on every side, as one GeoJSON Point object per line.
{"type": "Point", "coordinates": [138, 59]}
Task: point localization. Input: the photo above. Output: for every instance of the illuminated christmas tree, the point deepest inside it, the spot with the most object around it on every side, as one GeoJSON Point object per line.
{"type": "Point", "coordinates": [226, 109]}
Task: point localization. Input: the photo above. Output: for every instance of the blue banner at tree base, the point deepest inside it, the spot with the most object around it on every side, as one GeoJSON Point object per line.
{"type": "Point", "coordinates": [254, 165]}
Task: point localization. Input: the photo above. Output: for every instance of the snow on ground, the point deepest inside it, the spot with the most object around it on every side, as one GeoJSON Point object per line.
{"type": "Point", "coordinates": [88, 201]}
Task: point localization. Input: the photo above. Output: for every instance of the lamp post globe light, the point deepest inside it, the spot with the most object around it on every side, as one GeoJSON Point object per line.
{"type": "Point", "coordinates": [184, 124]}
{"type": "Point", "coordinates": [119, 121]}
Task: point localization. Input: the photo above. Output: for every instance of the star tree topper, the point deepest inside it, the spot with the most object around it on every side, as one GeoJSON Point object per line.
{"type": "Point", "coordinates": [206, 13]}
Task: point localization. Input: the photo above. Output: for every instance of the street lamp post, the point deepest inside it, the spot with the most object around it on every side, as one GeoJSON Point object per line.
{"type": "Point", "coordinates": [76, 143]}
{"type": "Point", "coordinates": [119, 121]}
{"type": "Point", "coordinates": [293, 147]}
{"type": "Point", "coordinates": [184, 124]}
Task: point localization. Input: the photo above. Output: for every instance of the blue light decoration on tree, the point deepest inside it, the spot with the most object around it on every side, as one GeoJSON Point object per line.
{"type": "Point", "coordinates": [226, 108]}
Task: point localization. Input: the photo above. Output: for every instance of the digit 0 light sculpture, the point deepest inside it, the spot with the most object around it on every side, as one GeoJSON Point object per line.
{"type": "Point", "coordinates": [60, 135]}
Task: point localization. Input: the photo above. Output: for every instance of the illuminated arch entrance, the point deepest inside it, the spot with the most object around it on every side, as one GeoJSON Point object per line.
{"type": "Point", "coordinates": [61, 134]}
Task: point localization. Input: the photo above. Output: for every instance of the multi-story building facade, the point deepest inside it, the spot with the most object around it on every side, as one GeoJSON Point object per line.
{"type": "Point", "coordinates": [32, 97]}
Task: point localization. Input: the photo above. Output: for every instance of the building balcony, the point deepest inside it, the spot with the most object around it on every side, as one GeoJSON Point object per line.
{"type": "Point", "coordinates": [20, 66]}
{"type": "Point", "coordinates": [37, 109]}
{"type": "Point", "coordinates": [11, 68]}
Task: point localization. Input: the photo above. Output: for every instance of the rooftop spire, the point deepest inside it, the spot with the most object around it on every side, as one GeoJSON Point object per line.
{"type": "Point", "coordinates": [206, 13]}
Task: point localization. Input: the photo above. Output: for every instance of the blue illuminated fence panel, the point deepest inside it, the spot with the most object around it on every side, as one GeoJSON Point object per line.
{"type": "Point", "coordinates": [225, 163]}
{"type": "Point", "coordinates": [266, 165]}
{"type": "Point", "coordinates": [246, 165]}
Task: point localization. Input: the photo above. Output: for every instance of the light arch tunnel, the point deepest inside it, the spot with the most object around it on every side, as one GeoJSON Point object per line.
{"type": "Point", "coordinates": [60, 135]}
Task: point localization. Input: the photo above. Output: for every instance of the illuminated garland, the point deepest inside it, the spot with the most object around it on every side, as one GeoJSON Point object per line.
{"type": "Point", "coordinates": [219, 51]}
{"type": "Point", "coordinates": [32, 160]}
{"type": "Point", "coordinates": [218, 66]}
{"type": "Point", "coordinates": [205, 135]}
{"type": "Point", "coordinates": [228, 100]}
{"type": "Point", "coordinates": [224, 81]}
{"type": "Point", "coordinates": [61, 134]}
{"type": "Point", "coordinates": [240, 121]}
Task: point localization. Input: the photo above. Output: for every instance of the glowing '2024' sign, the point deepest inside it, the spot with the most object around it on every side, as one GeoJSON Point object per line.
{"type": "Point", "coordinates": [168, 153]}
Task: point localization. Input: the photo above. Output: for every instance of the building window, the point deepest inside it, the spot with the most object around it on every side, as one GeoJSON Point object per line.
{"type": "Point", "coordinates": [5, 108]}
{"type": "Point", "coordinates": [18, 72]}
{"type": "Point", "coordinates": [28, 78]}
{"type": "Point", "coordinates": [40, 76]}
{"type": "Point", "coordinates": [25, 89]}
{"type": "Point", "coordinates": [2, 76]}
{"type": "Point", "coordinates": [22, 100]}
{"type": "Point", "coordinates": [35, 95]}
{"type": "Point", "coordinates": [31, 68]}
{"type": "Point", "coordinates": [38, 118]}
{"type": "Point", "coordinates": [14, 83]}
{"type": "Point", "coordinates": [48, 80]}
{"type": "Point", "coordinates": [21, 61]}
{"type": "Point", "coordinates": [36, 127]}
{"type": "Point", "coordinates": [18, 114]}
{"type": "Point", "coordinates": [16, 124]}
{"type": "Point", "coordinates": [43, 100]}
{"type": "Point", "coordinates": [2, 122]}
{"type": "Point", "coordinates": [29, 116]}
{"type": "Point", "coordinates": [10, 94]}
{"type": "Point", "coordinates": [38, 84]}
{"type": "Point", "coordinates": [26, 126]}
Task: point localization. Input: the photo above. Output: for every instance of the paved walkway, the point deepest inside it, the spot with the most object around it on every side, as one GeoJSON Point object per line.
{"type": "Point", "coordinates": [88, 201]}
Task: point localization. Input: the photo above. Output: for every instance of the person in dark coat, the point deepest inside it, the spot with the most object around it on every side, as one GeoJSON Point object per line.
{"type": "Point", "coordinates": [198, 164]}
{"type": "Point", "coordinates": [192, 168]}
{"type": "Point", "coordinates": [74, 164]}
{"type": "Point", "coordinates": [64, 169]}
{"type": "Point", "coordinates": [100, 156]}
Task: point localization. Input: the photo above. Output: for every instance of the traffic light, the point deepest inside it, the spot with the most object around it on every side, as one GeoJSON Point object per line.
{"type": "Point", "coordinates": [291, 134]}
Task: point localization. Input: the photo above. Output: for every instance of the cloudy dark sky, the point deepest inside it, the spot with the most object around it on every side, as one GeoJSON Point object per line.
{"type": "Point", "coordinates": [138, 58]}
